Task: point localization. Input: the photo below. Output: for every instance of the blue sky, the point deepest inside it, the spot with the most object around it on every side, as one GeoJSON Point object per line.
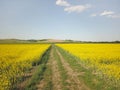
{"type": "Point", "coordinates": [87, 20]}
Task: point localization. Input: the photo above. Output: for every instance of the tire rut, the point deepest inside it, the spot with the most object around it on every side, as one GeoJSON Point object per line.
{"type": "Point", "coordinates": [76, 84]}
{"type": "Point", "coordinates": [56, 78]}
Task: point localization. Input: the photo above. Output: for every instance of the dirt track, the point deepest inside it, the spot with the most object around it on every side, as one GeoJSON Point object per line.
{"type": "Point", "coordinates": [56, 78]}
{"type": "Point", "coordinates": [73, 80]}
{"type": "Point", "coordinates": [76, 84]}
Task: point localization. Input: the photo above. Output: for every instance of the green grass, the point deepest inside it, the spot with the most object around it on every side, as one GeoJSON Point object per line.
{"type": "Point", "coordinates": [48, 79]}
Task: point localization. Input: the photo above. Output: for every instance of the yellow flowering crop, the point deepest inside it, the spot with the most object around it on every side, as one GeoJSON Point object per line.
{"type": "Point", "coordinates": [104, 57]}
{"type": "Point", "coordinates": [15, 59]}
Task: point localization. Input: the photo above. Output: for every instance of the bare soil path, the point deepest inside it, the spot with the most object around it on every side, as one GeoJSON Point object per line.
{"type": "Point", "coordinates": [55, 78]}
{"type": "Point", "coordinates": [72, 80]}
{"type": "Point", "coordinates": [73, 76]}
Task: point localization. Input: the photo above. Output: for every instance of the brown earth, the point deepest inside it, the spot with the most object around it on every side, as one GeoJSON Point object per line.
{"type": "Point", "coordinates": [56, 78]}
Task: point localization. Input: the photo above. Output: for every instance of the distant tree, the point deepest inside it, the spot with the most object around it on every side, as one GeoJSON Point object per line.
{"type": "Point", "coordinates": [117, 41]}
{"type": "Point", "coordinates": [32, 40]}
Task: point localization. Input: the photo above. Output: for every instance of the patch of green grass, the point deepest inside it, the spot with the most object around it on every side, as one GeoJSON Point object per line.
{"type": "Point", "coordinates": [36, 77]}
{"type": "Point", "coordinates": [48, 78]}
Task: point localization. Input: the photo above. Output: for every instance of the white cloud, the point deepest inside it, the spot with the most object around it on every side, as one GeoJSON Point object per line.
{"type": "Point", "coordinates": [106, 13]}
{"type": "Point", "coordinates": [93, 15]}
{"type": "Point", "coordinates": [62, 3]}
{"type": "Point", "coordinates": [109, 14]}
{"type": "Point", "coordinates": [114, 16]}
{"type": "Point", "coordinates": [72, 8]}
{"type": "Point", "coordinates": [77, 8]}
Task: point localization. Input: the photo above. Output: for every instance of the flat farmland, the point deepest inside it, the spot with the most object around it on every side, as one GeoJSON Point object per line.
{"type": "Point", "coordinates": [87, 66]}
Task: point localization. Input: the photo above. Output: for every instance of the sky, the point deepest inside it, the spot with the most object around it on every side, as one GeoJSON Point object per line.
{"type": "Point", "coordinates": [85, 20]}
